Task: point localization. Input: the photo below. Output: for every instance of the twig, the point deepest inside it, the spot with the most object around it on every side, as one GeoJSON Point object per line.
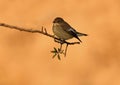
{"type": "Point", "coordinates": [28, 30]}
{"type": "Point", "coordinates": [66, 50]}
{"type": "Point", "coordinates": [42, 31]}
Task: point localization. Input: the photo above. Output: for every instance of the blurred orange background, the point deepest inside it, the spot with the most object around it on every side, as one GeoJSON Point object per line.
{"type": "Point", "coordinates": [25, 58]}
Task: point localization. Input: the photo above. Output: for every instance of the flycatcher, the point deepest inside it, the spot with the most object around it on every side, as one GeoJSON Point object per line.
{"type": "Point", "coordinates": [64, 31]}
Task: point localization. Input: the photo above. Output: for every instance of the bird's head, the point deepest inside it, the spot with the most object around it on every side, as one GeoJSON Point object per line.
{"type": "Point", "coordinates": [58, 20]}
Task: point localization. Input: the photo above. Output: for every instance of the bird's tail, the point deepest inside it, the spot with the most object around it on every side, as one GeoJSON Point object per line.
{"type": "Point", "coordinates": [81, 34]}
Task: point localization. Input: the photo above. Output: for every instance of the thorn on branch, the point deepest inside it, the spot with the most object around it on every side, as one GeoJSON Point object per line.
{"type": "Point", "coordinates": [45, 30]}
{"type": "Point", "coordinates": [42, 29]}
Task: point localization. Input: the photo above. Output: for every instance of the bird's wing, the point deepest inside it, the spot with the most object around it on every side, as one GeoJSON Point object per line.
{"type": "Point", "coordinates": [66, 27]}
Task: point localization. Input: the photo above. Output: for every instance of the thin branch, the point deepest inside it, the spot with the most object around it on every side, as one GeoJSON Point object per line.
{"type": "Point", "coordinates": [28, 30]}
{"type": "Point", "coordinates": [66, 50]}
{"type": "Point", "coordinates": [42, 31]}
{"type": "Point", "coordinates": [56, 51]}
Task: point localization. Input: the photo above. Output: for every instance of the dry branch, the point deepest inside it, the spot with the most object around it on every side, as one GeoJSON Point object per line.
{"type": "Point", "coordinates": [42, 31]}
{"type": "Point", "coordinates": [56, 51]}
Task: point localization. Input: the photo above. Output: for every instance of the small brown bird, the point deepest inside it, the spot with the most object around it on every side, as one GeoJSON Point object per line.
{"type": "Point", "coordinates": [64, 31]}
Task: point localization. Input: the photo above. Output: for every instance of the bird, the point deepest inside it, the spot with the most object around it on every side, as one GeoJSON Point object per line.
{"type": "Point", "coordinates": [64, 31]}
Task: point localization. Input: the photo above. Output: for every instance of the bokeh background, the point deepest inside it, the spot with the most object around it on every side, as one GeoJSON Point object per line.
{"type": "Point", "coordinates": [25, 58]}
